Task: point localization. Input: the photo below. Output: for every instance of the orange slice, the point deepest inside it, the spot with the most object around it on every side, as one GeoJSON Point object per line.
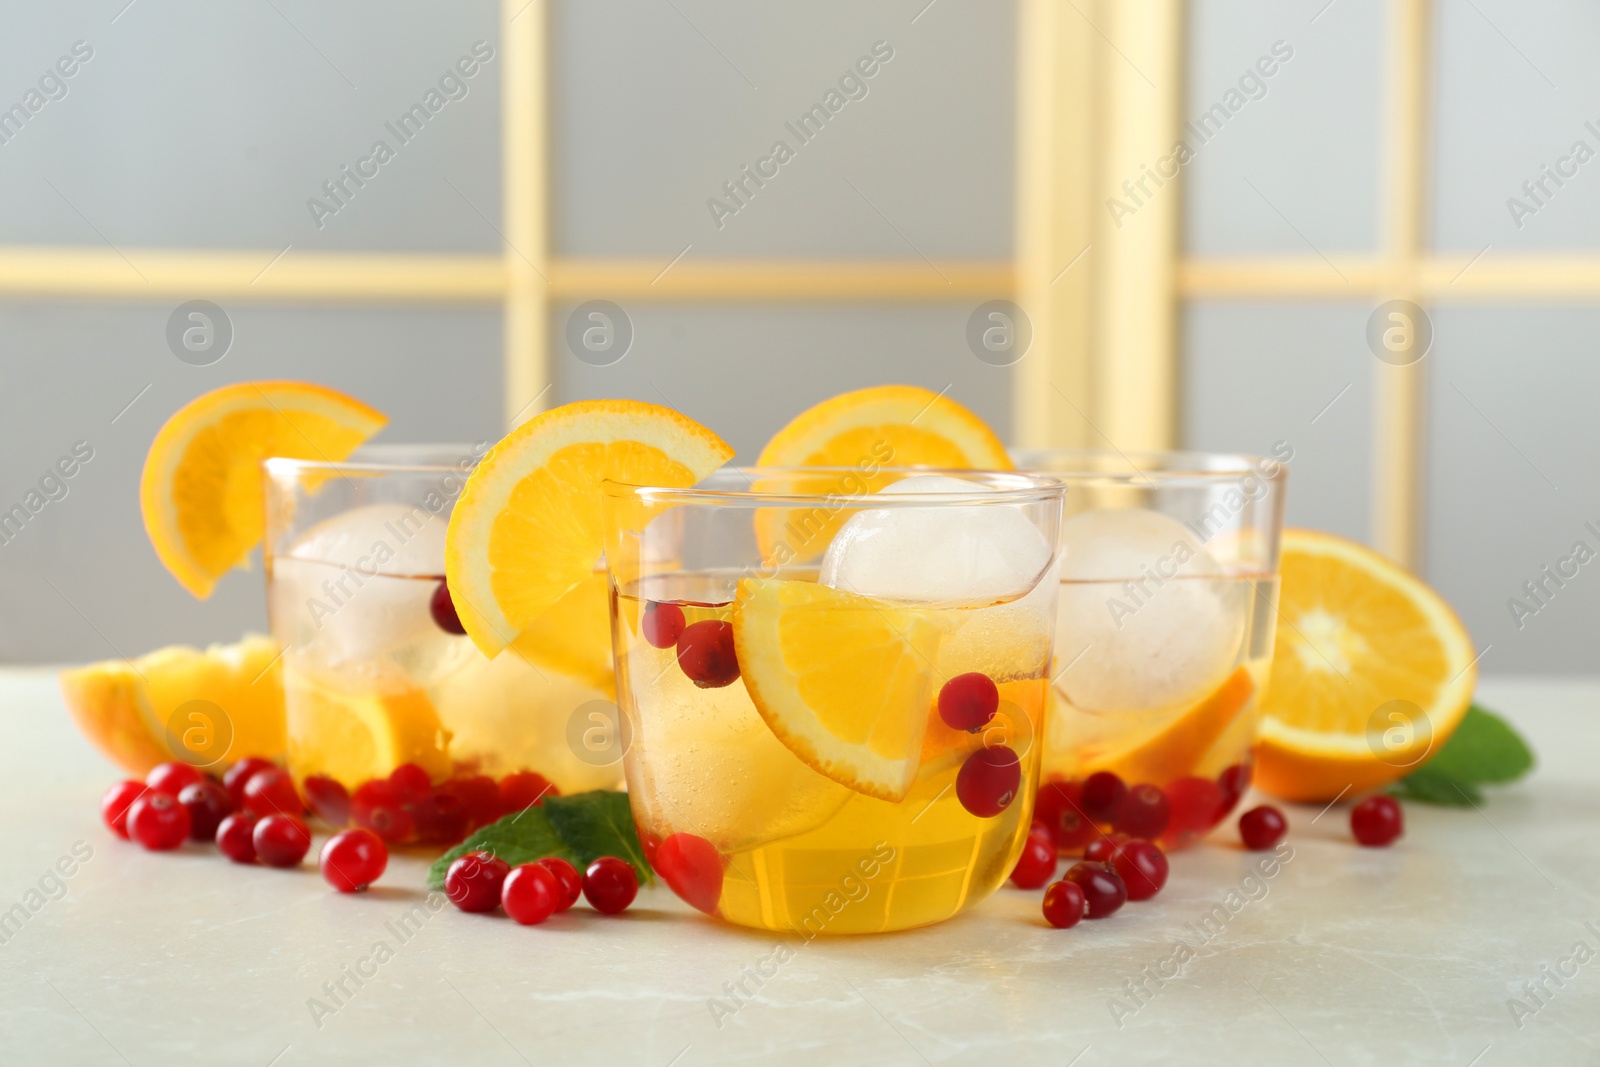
{"type": "Point", "coordinates": [1357, 633]}
{"type": "Point", "coordinates": [137, 712]}
{"type": "Point", "coordinates": [527, 530]}
{"type": "Point", "coordinates": [201, 489]}
{"type": "Point", "coordinates": [356, 734]}
{"type": "Point", "coordinates": [1174, 751]}
{"type": "Point", "coordinates": [868, 430]}
{"type": "Point", "coordinates": [844, 681]}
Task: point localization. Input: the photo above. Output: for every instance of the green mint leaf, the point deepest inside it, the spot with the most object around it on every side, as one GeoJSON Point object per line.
{"type": "Point", "coordinates": [1483, 749]}
{"type": "Point", "coordinates": [1436, 789]}
{"type": "Point", "coordinates": [521, 837]}
{"type": "Point", "coordinates": [597, 824]}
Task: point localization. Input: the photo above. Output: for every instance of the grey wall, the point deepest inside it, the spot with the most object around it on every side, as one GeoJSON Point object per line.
{"type": "Point", "coordinates": [209, 125]}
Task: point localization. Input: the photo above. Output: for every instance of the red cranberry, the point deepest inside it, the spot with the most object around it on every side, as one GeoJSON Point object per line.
{"type": "Point", "coordinates": [376, 806]}
{"type": "Point", "coordinates": [171, 777]}
{"type": "Point", "coordinates": [1100, 849]}
{"type": "Point", "coordinates": [693, 867]}
{"type": "Point", "coordinates": [524, 789]}
{"type": "Point", "coordinates": [706, 654]}
{"type": "Point", "coordinates": [443, 610]}
{"type": "Point", "coordinates": [411, 783]}
{"type": "Point", "coordinates": [530, 894]}
{"type": "Point", "coordinates": [1101, 796]}
{"type": "Point", "coordinates": [987, 782]}
{"type": "Point", "coordinates": [1057, 807]}
{"type": "Point", "coordinates": [662, 624]}
{"type": "Point", "coordinates": [474, 879]}
{"type": "Point", "coordinates": [968, 701]}
{"type": "Point", "coordinates": [353, 860]}
{"type": "Point", "coordinates": [272, 792]}
{"type": "Point", "coordinates": [1197, 806]}
{"type": "Point", "coordinates": [1142, 867]}
{"type": "Point", "coordinates": [1233, 781]}
{"type": "Point", "coordinates": [1037, 863]}
{"type": "Point", "coordinates": [442, 818]}
{"type": "Point", "coordinates": [328, 799]}
{"type": "Point", "coordinates": [114, 805]}
{"type": "Point", "coordinates": [235, 837]}
{"type": "Point", "coordinates": [1064, 904]}
{"type": "Point", "coordinates": [281, 840]}
{"type": "Point", "coordinates": [240, 773]}
{"type": "Point", "coordinates": [1144, 812]}
{"type": "Point", "coordinates": [208, 805]}
{"type": "Point", "coordinates": [1263, 827]}
{"type": "Point", "coordinates": [158, 821]}
{"type": "Point", "coordinates": [610, 884]}
{"type": "Point", "coordinates": [567, 878]}
{"type": "Point", "coordinates": [1377, 820]}
{"type": "Point", "coordinates": [480, 797]}
{"type": "Point", "coordinates": [1103, 888]}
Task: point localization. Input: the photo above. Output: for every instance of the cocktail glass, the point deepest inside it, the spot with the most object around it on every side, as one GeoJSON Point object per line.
{"type": "Point", "coordinates": [1169, 591]}
{"type": "Point", "coordinates": [395, 720]}
{"type": "Point", "coordinates": [792, 649]}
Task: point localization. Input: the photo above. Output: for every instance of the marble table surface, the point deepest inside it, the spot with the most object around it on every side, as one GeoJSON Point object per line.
{"type": "Point", "coordinates": [1342, 955]}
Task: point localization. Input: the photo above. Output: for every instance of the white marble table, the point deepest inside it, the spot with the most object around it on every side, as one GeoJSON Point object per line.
{"type": "Point", "coordinates": [1346, 956]}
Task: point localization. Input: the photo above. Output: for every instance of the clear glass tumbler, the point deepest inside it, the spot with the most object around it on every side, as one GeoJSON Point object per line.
{"type": "Point", "coordinates": [1169, 592]}
{"type": "Point", "coordinates": [395, 720]}
{"type": "Point", "coordinates": [832, 696]}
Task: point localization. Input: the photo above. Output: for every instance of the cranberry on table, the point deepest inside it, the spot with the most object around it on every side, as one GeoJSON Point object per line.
{"type": "Point", "coordinates": [1057, 806]}
{"type": "Point", "coordinates": [329, 800]}
{"type": "Point", "coordinates": [968, 701]}
{"type": "Point", "coordinates": [114, 805]}
{"type": "Point", "coordinates": [443, 610]}
{"type": "Point", "coordinates": [208, 805]}
{"type": "Point", "coordinates": [530, 894]}
{"type": "Point", "coordinates": [235, 837]}
{"type": "Point", "coordinates": [171, 777]}
{"type": "Point", "coordinates": [1142, 867]}
{"type": "Point", "coordinates": [353, 859]}
{"type": "Point", "coordinates": [1100, 849]}
{"type": "Point", "coordinates": [1377, 820]}
{"type": "Point", "coordinates": [1102, 795]}
{"type": "Point", "coordinates": [272, 792]}
{"type": "Point", "coordinates": [568, 881]}
{"type": "Point", "coordinates": [240, 774]}
{"type": "Point", "coordinates": [610, 884]}
{"type": "Point", "coordinates": [706, 654]}
{"type": "Point", "coordinates": [281, 840]}
{"type": "Point", "coordinates": [987, 782]}
{"type": "Point", "coordinates": [1144, 812]}
{"type": "Point", "coordinates": [158, 821]}
{"type": "Point", "coordinates": [1064, 904]}
{"type": "Point", "coordinates": [474, 879]}
{"type": "Point", "coordinates": [1103, 889]}
{"type": "Point", "coordinates": [1261, 828]}
{"type": "Point", "coordinates": [662, 624]}
{"type": "Point", "coordinates": [693, 868]}
{"type": "Point", "coordinates": [1037, 862]}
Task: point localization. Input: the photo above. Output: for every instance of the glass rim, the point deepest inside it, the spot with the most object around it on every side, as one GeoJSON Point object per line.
{"type": "Point", "coordinates": [1017, 487]}
{"type": "Point", "coordinates": [369, 459]}
{"type": "Point", "coordinates": [1148, 467]}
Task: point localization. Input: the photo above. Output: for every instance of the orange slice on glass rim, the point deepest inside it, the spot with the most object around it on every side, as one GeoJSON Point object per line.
{"type": "Point", "coordinates": [201, 490]}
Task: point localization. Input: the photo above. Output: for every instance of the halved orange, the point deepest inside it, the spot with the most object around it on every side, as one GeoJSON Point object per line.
{"type": "Point", "coordinates": [844, 681]}
{"type": "Point", "coordinates": [526, 533]}
{"type": "Point", "coordinates": [129, 709]}
{"type": "Point", "coordinates": [867, 430]}
{"type": "Point", "coordinates": [1356, 634]}
{"type": "Point", "coordinates": [201, 490]}
{"type": "Point", "coordinates": [1176, 748]}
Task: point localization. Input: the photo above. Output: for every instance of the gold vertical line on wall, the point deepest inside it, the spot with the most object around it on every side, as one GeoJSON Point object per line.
{"type": "Point", "coordinates": [524, 175]}
{"type": "Point", "coordinates": [1056, 204]}
{"type": "Point", "coordinates": [1399, 425]}
{"type": "Point", "coordinates": [1135, 369]}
